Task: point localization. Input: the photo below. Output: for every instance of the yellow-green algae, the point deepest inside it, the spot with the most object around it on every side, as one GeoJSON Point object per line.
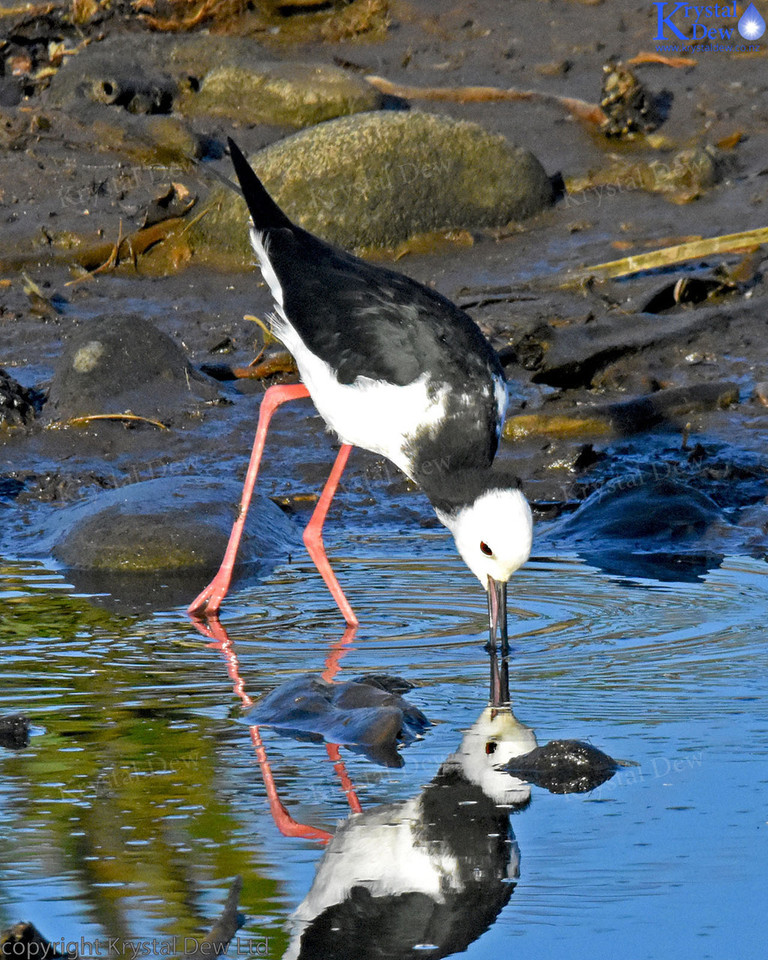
{"type": "Point", "coordinates": [376, 179]}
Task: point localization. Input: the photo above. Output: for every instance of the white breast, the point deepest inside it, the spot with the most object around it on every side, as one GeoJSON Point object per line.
{"type": "Point", "coordinates": [379, 850]}
{"type": "Point", "coordinates": [372, 414]}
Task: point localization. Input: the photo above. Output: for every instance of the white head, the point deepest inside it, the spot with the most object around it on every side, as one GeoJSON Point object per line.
{"type": "Point", "coordinates": [493, 740]}
{"type": "Point", "coordinates": [493, 534]}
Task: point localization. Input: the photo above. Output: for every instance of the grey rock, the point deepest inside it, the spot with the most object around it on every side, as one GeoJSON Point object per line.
{"type": "Point", "coordinates": [164, 525]}
{"type": "Point", "coordinates": [641, 526]}
{"type": "Point", "coordinates": [115, 365]}
{"type": "Point", "coordinates": [288, 94]}
{"type": "Point", "coordinates": [364, 715]}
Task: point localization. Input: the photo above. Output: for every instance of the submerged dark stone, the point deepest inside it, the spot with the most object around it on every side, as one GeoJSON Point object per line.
{"type": "Point", "coordinates": [644, 527]}
{"type": "Point", "coordinates": [564, 766]}
{"type": "Point", "coordinates": [642, 509]}
{"type": "Point", "coordinates": [23, 941]}
{"type": "Point", "coordinates": [363, 716]}
{"type": "Point", "coordinates": [10, 488]}
{"type": "Point", "coordinates": [14, 732]}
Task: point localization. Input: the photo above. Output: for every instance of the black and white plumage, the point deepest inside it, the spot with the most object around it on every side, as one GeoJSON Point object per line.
{"type": "Point", "coordinates": [434, 869]}
{"type": "Point", "coordinates": [397, 369]}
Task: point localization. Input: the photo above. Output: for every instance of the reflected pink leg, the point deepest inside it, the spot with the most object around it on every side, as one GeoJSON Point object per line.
{"type": "Point", "coordinates": [208, 602]}
{"type": "Point", "coordinates": [332, 667]}
{"type": "Point", "coordinates": [285, 823]}
{"type": "Point", "coordinates": [283, 820]}
{"type": "Point", "coordinates": [215, 630]}
{"type": "Point", "coordinates": [334, 756]}
{"type": "Point", "coordinates": [337, 652]}
{"type": "Point", "coordinates": [313, 536]}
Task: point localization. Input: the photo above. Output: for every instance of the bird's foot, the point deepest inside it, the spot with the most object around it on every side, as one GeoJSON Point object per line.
{"type": "Point", "coordinates": [206, 605]}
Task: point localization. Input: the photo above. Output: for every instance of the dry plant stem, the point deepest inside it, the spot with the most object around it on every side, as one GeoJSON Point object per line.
{"type": "Point", "coordinates": [648, 56]}
{"type": "Point", "coordinates": [269, 337]}
{"type": "Point", "coordinates": [581, 109]}
{"type": "Point", "coordinates": [130, 417]}
{"type": "Point", "coordinates": [668, 256]}
{"type": "Point", "coordinates": [109, 264]}
{"type": "Point", "coordinates": [107, 256]}
{"type": "Point", "coordinates": [281, 363]}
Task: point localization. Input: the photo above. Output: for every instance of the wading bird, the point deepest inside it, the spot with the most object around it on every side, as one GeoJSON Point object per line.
{"type": "Point", "coordinates": [397, 369]}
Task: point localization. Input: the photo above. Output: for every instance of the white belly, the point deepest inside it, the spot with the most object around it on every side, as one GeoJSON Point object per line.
{"type": "Point", "coordinates": [371, 414]}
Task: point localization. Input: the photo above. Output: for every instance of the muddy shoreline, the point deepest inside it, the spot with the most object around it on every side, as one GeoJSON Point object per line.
{"type": "Point", "coordinates": [578, 356]}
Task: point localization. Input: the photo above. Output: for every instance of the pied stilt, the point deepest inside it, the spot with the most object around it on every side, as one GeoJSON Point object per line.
{"type": "Point", "coordinates": [397, 369]}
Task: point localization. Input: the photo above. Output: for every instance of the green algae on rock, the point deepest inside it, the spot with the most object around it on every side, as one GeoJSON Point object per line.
{"type": "Point", "coordinates": [374, 180]}
{"type": "Point", "coordinates": [166, 524]}
{"type": "Point", "coordinates": [289, 94]}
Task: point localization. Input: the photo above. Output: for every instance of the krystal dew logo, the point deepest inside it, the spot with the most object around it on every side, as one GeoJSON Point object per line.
{"type": "Point", "coordinates": [691, 23]}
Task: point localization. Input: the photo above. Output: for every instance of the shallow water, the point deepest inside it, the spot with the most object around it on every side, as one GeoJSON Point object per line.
{"type": "Point", "coordinates": [140, 796]}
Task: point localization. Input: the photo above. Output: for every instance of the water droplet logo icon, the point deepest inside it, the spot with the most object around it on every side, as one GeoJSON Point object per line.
{"type": "Point", "coordinates": [751, 25]}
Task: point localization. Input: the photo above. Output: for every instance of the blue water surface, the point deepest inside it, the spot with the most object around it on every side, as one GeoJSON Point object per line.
{"type": "Point", "coordinates": [140, 795]}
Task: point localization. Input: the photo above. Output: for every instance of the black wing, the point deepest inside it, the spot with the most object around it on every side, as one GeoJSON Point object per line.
{"type": "Point", "coordinates": [362, 319]}
{"type": "Point", "coordinates": [367, 321]}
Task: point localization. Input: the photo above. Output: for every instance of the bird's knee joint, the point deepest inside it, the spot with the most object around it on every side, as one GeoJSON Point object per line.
{"type": "Point", "coordinates": [312, 537]}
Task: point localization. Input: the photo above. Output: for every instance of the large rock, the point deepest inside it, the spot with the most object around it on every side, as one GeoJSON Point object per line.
{"type": "Point", "coordinates": [377, 179]}
{"type": "Point", "coordinates": [115, 365]}
{"type": "Point", "coordinates": [368, 715]}
{"type": "Point", "coordinates": [164, 525]}
{"type": "Point", "coordinates": [287, 94]}
{"type": "Point", "coordinates": [646, 527]}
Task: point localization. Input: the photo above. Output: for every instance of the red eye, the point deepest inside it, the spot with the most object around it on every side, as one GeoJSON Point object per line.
{"type": "Point", "coordinates": [486, 549]}
{"type": "Point", "coordinates": [490, 747]}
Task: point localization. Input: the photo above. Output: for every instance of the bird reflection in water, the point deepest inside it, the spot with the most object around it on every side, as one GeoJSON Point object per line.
{"type": "Point", "coordinates": [432, 872]}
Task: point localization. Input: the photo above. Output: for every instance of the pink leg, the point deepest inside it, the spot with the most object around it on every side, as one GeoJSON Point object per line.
{"type": "Point", "coordinates": [208, 602]}
{"type": "Point", "coordinates": [313, 536]}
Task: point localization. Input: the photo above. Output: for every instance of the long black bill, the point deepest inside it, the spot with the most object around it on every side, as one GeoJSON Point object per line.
{"type": "Point", "coordinates": [497, 625]}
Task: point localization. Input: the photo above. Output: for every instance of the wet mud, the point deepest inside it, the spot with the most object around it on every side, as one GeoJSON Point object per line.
{"type": "Point", "coordinates": [638, 415]}
{"type": "Point", "coordinates": [659, 373]}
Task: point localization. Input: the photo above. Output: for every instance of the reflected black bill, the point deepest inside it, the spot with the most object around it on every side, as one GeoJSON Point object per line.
{"type": "Point", "coordinates": [497, 624]}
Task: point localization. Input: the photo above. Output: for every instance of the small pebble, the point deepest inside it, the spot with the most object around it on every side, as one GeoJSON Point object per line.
{"type": "Point", "coordinates": [697, 357]}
